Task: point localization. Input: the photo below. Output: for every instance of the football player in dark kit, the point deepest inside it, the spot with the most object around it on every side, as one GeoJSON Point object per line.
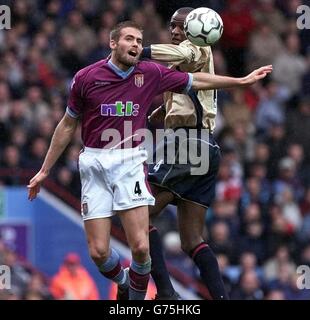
{"type": "Point", "coordinates": [175, 183]}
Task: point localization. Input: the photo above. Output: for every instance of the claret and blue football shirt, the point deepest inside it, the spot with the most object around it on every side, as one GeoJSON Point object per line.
{"type": "Point", "coordinates": [105, 97]}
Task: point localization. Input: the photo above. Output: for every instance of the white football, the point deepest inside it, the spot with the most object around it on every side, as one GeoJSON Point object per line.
{"type": "Point", "coordinates": [203, 27]}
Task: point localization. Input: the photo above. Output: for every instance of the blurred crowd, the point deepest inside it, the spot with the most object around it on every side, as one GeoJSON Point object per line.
{"type": "Point", "coordinates": [71, 282]}
{"type": "Point", "coordinates": [259, 225]}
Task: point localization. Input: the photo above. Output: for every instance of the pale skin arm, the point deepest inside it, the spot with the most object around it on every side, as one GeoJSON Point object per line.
{"type": "Point", "coordinates": [62, 136]}
{"type": "Point", "coordinates": [207, 81]}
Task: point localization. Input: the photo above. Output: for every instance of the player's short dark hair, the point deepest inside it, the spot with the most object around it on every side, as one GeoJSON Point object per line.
{"type": "Point", "coordinates": [116, 31]}
{"type": "Point", "coordinates": [184, 10]}
{"type": "Point", "coordinates": [180, 14]}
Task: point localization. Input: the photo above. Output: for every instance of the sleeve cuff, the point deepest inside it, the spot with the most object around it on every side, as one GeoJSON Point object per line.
{"type": "Point", "coordinates": [146, 53]}
{"type": "Point", "coordinates": [189, 83]}
{"type": "Point", "coordinates": [71, 113]}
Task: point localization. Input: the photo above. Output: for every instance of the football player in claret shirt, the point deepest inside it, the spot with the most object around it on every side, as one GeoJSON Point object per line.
{"type": "Point", "coordinates": [104, 98]}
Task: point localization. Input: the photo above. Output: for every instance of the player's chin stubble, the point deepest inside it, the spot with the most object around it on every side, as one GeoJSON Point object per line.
{"type": "Point", "coordinates": [128, 62]}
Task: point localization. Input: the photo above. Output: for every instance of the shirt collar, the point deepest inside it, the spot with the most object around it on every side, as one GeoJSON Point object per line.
{"type": "Point", "coordinates": [118, 71]}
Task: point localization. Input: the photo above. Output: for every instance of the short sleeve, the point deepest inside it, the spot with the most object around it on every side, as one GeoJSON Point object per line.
{"type": "Point", "coordinates": [74, 105]}
{"type": "Point", "coordinates": [173, 80]}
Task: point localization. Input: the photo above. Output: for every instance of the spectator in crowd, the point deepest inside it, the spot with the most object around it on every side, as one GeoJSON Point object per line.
{"type": "Point", "coordinates": [83, 36]}
{"type": "Point", "coordinates": [275, 294]}
{"type": "Point", "coordinates": [239, 24]}
{"type": "Point", "coordinates": [249, 287]}
{"type": "Point", "coordinates": [271, 108]}
{"type": "Point", "coordinates": [37, 288]}
{"type": "Point", "coordinates": [268, 14]}
{"type": "Point", "coordinates": [266, 53]}
{"type": "Point", "coordinates": [220, 238]}
{"type": "Point", "coordinates": [272, 265]}
{"type": "Point", "coordinates": [247, 262]}
{"type": "Point", "coordinates": [288, 179]}
{"type": "Point", "coordinates": [37, 152]}
{"type": "Point", "coordinates": [295, 131]}
{"type": "Point", "coordinates": [294, 292]}
{"type": "Point", "coordinates": [290, 65]}
{"type": "Point", "coordinates": [20, 274]}
{"type": "Point", "coordinates": [102, 49]}
{"type": "Point", "coordinates": [11, 161]}
{"type": "Point", "coordinates": [253, 240]}
{"type": "Point", "coordinates": [305, 255]}
{"type": "Point", "coordinates": [72, 281]}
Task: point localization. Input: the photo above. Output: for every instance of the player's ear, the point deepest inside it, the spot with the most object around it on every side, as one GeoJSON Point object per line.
{"type": "Point", "coordinates": [113, 44]}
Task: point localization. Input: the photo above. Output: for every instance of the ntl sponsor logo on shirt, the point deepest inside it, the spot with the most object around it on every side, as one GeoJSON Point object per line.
{"type": "Point", "coordinates": [120, 109]}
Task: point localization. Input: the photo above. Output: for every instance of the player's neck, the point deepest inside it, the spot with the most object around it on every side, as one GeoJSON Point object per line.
{"type": "Point", "coordinates": [119, 65]}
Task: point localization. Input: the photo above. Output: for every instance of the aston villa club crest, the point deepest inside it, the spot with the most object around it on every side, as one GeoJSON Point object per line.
{"type": "Point", "coordinates": [139, 80]}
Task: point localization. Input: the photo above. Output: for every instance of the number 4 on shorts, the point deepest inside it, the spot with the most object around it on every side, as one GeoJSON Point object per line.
{"type": "Point", "coordinates": [137, 188]}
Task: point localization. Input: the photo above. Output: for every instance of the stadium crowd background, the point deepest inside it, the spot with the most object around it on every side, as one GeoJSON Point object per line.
{"type": "Point", "coordinates": [259, 225]}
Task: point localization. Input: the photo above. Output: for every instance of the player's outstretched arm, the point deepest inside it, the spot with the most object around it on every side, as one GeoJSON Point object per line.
{"type": "Point", "coordinates": [172, 53]}
{"type": "Point", "coordinates": [207, 81]}
{"type": "Point", "coordinates": [61, 138]}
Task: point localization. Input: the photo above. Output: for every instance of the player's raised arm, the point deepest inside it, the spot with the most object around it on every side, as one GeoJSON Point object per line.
{"type": "Point", "coordinates": [172, 53]}
{"type": "Point", "coordinates": [207, 81]}
{"type": "Point", "coordinates": [62, 136]}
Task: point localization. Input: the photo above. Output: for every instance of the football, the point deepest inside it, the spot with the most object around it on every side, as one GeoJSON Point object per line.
{"type": "Point", "coordinates": [203, 27]}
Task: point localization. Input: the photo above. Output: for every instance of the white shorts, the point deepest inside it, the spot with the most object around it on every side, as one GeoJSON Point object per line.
{"type": "Point", "coordinates": [113, 180]}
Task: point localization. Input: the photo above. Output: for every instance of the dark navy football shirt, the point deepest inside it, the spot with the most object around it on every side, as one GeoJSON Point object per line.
{"type": "Point", "coordinates": [105, 97]}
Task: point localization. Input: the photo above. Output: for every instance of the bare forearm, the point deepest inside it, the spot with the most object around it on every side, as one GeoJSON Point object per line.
{"type": "Point", "coordinates": [207, 81]}
{"type": "Point", "coordinates": [61, 138]}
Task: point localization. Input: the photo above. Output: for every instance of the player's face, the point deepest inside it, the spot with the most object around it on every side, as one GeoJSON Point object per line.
{"type": "Point", "coordinates": [177, 29]}
{"type": "Point", "coordinates": [128, 48]}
